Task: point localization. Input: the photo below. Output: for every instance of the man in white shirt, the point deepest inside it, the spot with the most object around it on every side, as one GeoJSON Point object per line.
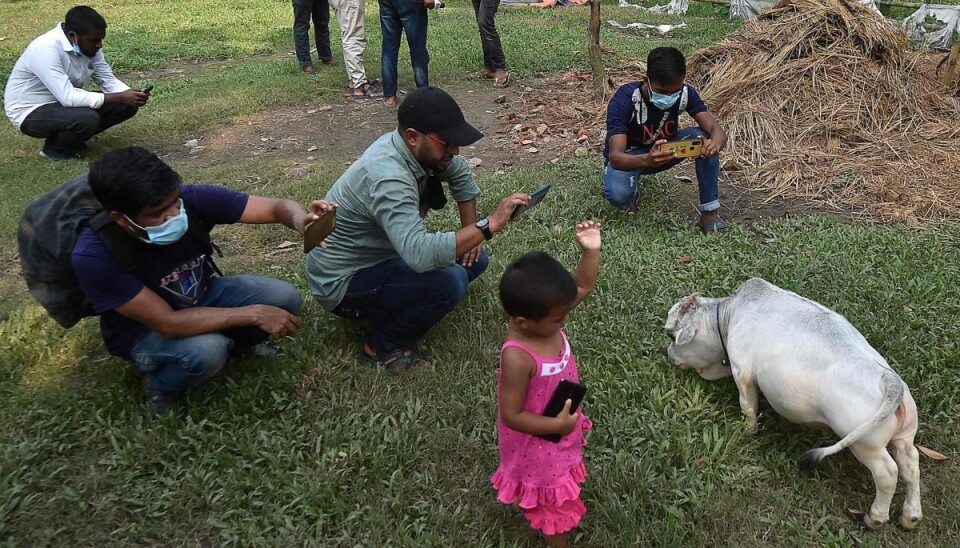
{"type": "Point", "coordinates": [45, 98]}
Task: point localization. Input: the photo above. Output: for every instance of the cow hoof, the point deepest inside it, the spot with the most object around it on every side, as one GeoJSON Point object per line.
{"type": "Point", "coordinates": [872, 523]}
{"type": "Point", "coordinates": [910, 522]}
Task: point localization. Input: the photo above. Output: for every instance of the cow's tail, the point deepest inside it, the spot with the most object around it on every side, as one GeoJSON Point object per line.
{"type": "Point", "coordinates": [892, 397]}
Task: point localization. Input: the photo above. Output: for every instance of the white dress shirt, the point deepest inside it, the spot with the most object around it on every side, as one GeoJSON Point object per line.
{"type": "Point", "coordinates": [50, 72]}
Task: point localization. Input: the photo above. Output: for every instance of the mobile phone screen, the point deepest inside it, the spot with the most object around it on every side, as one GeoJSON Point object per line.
{"type": "Point", "coordinates": [535, 199]}
{"type": "Point", "coordinates": [315, 232]}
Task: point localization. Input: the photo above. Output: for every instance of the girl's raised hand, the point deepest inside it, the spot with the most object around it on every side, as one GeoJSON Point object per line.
{"type": "Point", "coordinates": [588, 235]}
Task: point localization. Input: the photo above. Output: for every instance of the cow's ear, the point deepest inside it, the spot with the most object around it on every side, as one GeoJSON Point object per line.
{"type": "Point", "coordinates": [686, 334]}
{"type": "Point", "coordinates": [689, 303]}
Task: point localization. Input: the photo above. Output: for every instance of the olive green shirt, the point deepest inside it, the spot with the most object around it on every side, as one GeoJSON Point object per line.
{"type": "Point", "coordinates": [379, 218]}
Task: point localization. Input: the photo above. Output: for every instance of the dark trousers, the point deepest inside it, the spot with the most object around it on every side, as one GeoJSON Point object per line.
{"type": "Point", "coordinates": [396, 17]}
{"type": "Point", "coordinates": [68, 128]}
{"type": "Point", "coordinates": [402, 304]}
{"type": "Point", "coordinates": [319, 11]}
{"type": "Point", "coordinates": [486, 13]}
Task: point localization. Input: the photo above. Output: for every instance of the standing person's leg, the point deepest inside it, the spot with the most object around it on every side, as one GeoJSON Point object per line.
{"type": "Point", "coordinates": [301, 33]}
{"type": "Point", "coordinates": [391, 30]}
{"type": "Point", "coordinates": [354, 40]}
{"type": "Point", "coordinates": [321, 31]}
{"type": "Point", "coordinates": [413, 17]}
{"type": "Point", "coordinates": [402, 305]}
{"type": "Point", "coordinates": [494, 60]}
{"type": "Point", "coordinates": [65, 129]}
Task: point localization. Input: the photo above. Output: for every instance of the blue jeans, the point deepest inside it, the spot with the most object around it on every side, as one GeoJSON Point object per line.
{"type": "Point", "coordinates": [397, 16]}
{"type": "Point", "coordinates": [175, 365]}
{"type": "Point", "coordinates": [401, 304]}
{"type": "Point", "coordinates": [620, 186]}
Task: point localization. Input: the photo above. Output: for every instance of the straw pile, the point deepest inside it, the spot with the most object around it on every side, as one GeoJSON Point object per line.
{"type": "Point", "coordinates": [822, 99]}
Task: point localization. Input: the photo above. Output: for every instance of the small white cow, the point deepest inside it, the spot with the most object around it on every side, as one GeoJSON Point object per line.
{"type": "Point", "coordinates": [813, 367]}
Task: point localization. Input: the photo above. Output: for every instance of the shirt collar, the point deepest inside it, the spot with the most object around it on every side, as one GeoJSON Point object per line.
{"type": "Point", "coordinates": [62, 38]}
{"type": "Point", "coordinates": [407, 155]}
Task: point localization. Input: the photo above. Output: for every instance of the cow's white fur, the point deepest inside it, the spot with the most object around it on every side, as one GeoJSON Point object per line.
{"type": "Point", "coordinates": [813, 367]}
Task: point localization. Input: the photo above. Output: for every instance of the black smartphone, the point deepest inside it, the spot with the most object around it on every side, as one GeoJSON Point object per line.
{"type": "Point", "coordinates": [535, 199]}
{"type": "Point", "coordinates": [315, 232]}
{"type": "Point", "coordinates": [566, 390]}
{"type": "Point", "coordinates": [148, 89]}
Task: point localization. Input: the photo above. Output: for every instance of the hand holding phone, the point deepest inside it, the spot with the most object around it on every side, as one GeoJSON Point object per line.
{"type": "Point", "coordinates": [535, 199]}
{"type": "Point", "coordinates": [148, 89]}
{"type": "Point", "coordinates": [566, 390]}
{"type": "Point", "coordinates": [316, 231]}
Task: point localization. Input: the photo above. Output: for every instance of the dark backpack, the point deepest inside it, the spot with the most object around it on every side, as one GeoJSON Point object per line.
{"type": "Point", "coordinates": [46, 236]}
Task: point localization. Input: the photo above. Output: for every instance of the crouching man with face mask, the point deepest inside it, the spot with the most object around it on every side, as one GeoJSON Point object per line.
{"type": "Point", "coordinates": [170, 314]}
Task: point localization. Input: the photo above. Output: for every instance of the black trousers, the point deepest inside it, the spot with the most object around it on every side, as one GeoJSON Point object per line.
{"type": "Point", "coordinates": [67, 128]}
{"type": "Point", "coordinates": [486, 14]}
{"type": "Point", "coordinates": [319, 11]}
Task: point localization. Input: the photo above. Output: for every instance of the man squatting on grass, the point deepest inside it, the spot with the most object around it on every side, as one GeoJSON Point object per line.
{"type": "Point", "coordinates": [44, 97]}
{"type": "Point", "coordinates": [381, 263]}
{"type": "Point", "coordinates": [170, 316]}
{"type": "Point", "coordinates": [644, 114]}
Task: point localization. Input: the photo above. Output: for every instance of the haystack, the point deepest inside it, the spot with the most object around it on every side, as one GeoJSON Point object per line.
{"type": "Point", "coordinates": [822, 99]}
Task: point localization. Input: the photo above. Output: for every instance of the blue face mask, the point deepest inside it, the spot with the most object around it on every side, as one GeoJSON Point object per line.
{"type": "Point", "coordinates": [166, 233]}
{"type": "Point", "coordinates": [76, 49]}
{"type": "Point", "coordinates": [661, 101]}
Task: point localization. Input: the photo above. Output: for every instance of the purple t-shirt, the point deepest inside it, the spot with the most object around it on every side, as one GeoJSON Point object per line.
{"type": "Point", "coordinates": [179, 273]}
{"type": "Point", "coordinates": [625, 116]}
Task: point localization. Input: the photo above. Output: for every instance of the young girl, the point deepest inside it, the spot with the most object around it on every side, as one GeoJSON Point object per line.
{"type": "Point", "coordinates": [539, 476]}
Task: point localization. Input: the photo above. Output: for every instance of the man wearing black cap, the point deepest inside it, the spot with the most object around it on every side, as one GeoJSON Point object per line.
{"type": "Point", "coordinates": [381, 264]}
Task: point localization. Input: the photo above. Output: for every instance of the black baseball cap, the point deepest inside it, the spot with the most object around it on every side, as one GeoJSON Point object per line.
{"type": "Point", "coordinates": [432, 110]}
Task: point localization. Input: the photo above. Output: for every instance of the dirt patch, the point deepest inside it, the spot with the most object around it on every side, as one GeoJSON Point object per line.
{"type": "Point", "coordinates": [524, 126]}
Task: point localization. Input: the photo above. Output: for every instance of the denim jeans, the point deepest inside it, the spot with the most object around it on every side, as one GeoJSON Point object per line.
{"type": "Point", "coordinates": [402, 304]}
{"type": "Point", "coordinates": [175, 365]}
{"type": "Point", "coordinates": [319, 11]}
{"type": "Point", "coordinates": [486, 13]}
{"type": "Point", "coordinates": [67, 128]}
{"type": "Point", "coordinates": [397, 16]}
{"type": "Point", "coordinates": [620, 186]}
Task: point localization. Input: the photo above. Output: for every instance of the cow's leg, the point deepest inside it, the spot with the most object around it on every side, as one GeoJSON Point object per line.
{"type": "Point", "coordinates": [884, 471]}
{"type": "Point", "coordinates": [908, 461]}
{"type": "Point", "coordinates": [749, 398]}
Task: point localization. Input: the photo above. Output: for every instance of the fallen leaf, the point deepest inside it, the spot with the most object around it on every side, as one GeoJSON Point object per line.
{"type": "Point", "coordinates": [311, 149]}
{"type": "Point", "coordinates": [526, 142]}
{"type": "Point", "coordinates": [475, 162]}
{"type": "Point", "coordinates": [265, 139]}
{"type": "Point", "coordinates": [501, 99]}
{"type": "Point", "coordinates": [533, 150]}
{"type": "Point", "coordinates": [312, 111]}
{"type": "Point", "coordinates": [325, 108]}
{"type": "Point", "coordinates": [2, 38]}
{"type": "Point", "coordinates": [685, 259]}
{"type": "Point", "coordinates": [192, 143]}
{"type": "Point", "coordinates": [683, 178]}
{"type": "Point", "coordinates": [932, 454]}
{"type": "Point", "coordinates": [285, 244]}
{"type": "Point", "coordinates": [541, 129]}
{"type": "Point", "coordinates": [857, 515]}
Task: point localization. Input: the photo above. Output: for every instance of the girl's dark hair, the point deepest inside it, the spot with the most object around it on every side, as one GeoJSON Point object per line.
{"type": "Point", "coordinates": [534, 284]}
{"type": "Point", "coordinates": [666, 65]}
{"type": "Point", "coordinates": [84, 19]}
{"type": "Point", "coordinates": [130, 179]}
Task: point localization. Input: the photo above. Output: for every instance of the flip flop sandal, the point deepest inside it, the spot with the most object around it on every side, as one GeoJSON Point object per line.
{"type": "Point", "coordinates": [714, 227]}
{"type": "Point", "coordinates": [395, 360]}
{"type": "Point", "coordinates": [370, 92]}
{"type": "Point", "coordinates": [502, 82]}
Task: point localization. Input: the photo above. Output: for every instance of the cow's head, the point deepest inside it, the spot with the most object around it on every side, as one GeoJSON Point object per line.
{"type": "Point", "coordinates": [694, 342]}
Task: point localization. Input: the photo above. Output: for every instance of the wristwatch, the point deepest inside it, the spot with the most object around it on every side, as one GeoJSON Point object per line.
{"type": "Point", "coordinates": [484, 226]}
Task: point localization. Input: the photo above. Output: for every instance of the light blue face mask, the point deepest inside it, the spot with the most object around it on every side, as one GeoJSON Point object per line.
{"type": "Point", "coordinates": [76, 49]}
{"type": "Point", "coordinates": [661, 101]}
{"type": "Point", "coordinates": [166, 233]}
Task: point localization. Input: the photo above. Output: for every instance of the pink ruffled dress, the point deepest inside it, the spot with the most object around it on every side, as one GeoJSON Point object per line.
{"type": "Point", "coordinates": [543, 476]}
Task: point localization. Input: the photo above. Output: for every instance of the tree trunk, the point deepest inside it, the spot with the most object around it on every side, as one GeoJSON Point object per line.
{"type": "Point", "coordinates": [596, 57]}
{"type": "Point", "coordinates": [950, 69]}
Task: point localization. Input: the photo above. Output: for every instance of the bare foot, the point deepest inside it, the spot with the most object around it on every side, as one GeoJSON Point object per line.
{"type": "Point", "coordinates": [390, 101]}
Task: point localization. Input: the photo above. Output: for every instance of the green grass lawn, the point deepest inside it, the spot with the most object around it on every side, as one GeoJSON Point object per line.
{"type": "Point", "coordinates": [313, 448]}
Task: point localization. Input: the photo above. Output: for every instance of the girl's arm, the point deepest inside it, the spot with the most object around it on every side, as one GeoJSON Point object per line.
{"type": "Point", "coordinates": [518, 367]}
{"type": "Point", "coordinates": [588, 236]}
